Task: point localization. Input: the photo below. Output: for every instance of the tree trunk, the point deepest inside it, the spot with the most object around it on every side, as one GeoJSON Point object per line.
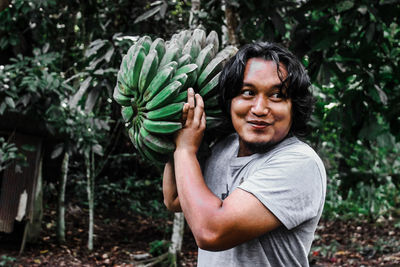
{"type": "Point", "coordinates": [231, 24]}
{"type": "Point", "coordinates": [90, 190]}
{"type": "Point", "coordinates": [177, 237]}
{"type": "Point", "coordinates": [61, 199]}
{"type": "Point", "coordinates": [194, 14]}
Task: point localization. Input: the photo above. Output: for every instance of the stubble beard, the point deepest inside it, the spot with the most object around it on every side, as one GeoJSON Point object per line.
{"type": "Point", "coordinates": [258, 147]}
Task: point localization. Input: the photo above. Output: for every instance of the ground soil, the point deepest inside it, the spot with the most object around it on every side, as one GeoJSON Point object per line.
{"type": "Point", "coordinates": [121, 239]}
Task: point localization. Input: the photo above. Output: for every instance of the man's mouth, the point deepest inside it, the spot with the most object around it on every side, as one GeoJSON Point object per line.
{"type": "Point", "coordinates": [259, 124]}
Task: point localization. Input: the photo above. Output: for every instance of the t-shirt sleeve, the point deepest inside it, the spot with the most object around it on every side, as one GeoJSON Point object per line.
{"type": "Point", "coordinates": [289, 185]}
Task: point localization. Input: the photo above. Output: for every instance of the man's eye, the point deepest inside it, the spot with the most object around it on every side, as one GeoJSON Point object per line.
{"type": "Point", "coordinates": [247, 93]}
{"type": "Point", "coordinates": [277, 95]}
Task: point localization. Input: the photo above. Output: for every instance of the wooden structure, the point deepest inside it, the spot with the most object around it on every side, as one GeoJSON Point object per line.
{"type": "Point", "coordinates": [21, 191]}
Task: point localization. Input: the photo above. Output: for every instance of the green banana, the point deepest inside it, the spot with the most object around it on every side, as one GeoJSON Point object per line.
{"type": "Point", "coordinates": [212, 38]}
{"type": "Point", "coordinates": [172, 64]}
{"type": "Point", "coordinates": [205, 56]}
{"type": "Point", "coordinates": [128, 75]}
{"type": "Point", "coordinates": [151, 155]}
{"type": "Point", "coordinates": [210, 70]}
{"type": "Point", "coordinates": [182, 78]}
{"type": "Point", "coordinates": [161, 127]}
{"type": "Point", "coordinates": [158, 82]}
{"type": "Point", "coordinates": [190, 71]}
{"type": "Point", "coordinates": [182, 37]}
{"type": "Point", "coordinates": [227, 52]}
{"type": "Point", "coordinates": [184, 60]}
{"type": "Point", "coordinates": [146, 42]}
{"type": "Point", "coordinates": [165, 96]}
{"type": "Point", "coordinates": [123, 88]}
{"type": "Point", "coordinates": [171, 54]}
{"type": "Point", "coordinates": [211, 87]}
{"type": "Point", "coordinates": [136, 66]}
{"type": "Point", "coordinates": [120, 98]}
{"type": "Point", "coordinates": [192, 48]}
{"type": "Point", "coordinates": [158, 45]}
{"type": "Point", "coordinates": [186, 34]}
{"type": "Point", "coordinates": [169, 112]}
{"type": "Point", "coordinates": [187, 69]}
{"type": "Point", "coordinates": [148, 71]}
{"type": "Point", "coordinates": [156, 143]}
{"type": "Point", "coordinates": [182, 97]}
{"type": "Point", "coordinates": [200, 36]}
{"type": "Point", "coordinates": [132, 133]}
{"type": "Point", "coordinates": [128, 113]}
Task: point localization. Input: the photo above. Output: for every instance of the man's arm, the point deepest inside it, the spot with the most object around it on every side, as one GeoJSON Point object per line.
{"type": "Point", "coordinates": [170, 193]}
{"type": "Point", "coordinates": [171, 199]}
{"type": "Point", "coordinates": [216, 224]}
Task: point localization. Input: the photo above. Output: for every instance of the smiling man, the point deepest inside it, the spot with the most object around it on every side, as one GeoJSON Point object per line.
{"type": "Point", "coordinates": [260, 195]}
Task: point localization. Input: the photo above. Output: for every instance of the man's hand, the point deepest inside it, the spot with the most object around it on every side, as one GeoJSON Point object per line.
{"type": "Point", "coordinates": [190, 136]}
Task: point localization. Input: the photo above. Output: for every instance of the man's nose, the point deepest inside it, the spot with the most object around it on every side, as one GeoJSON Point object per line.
{"type": "Point", "coordinates": [260, 106]}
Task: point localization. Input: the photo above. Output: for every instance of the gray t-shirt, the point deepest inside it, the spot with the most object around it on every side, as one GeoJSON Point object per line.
{"type": "Point", "coordinates": [290, 180]}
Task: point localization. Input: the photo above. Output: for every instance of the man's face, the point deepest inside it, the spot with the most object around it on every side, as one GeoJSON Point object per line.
{"type": "Point", "coordinates": [260, 114]}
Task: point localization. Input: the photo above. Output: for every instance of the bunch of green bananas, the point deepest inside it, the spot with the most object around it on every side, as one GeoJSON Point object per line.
{"type": "Point", "coordinates": [152, 87]}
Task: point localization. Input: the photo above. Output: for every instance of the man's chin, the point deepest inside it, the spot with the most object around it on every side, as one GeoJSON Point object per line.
{"type": "Point", "coordinates": [258, 147]}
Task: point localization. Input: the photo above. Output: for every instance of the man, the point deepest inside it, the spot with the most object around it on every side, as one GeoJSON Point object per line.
{"type": "Point", "coordinates": [263, 190]}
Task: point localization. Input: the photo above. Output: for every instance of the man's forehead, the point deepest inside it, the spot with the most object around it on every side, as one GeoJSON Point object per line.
{"type": "Point", "coordinates": [260, 59]}
{"type": "Point", "coordinates": [255, 64]}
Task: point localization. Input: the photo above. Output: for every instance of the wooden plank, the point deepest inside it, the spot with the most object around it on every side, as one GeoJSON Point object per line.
{"type": "Point", "coordinates": [15, 184]}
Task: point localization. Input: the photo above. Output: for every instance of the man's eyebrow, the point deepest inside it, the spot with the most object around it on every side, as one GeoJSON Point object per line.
{"type": "Point", "coordinates": [247, 84]}
{"type": "Point", "coordinates": [275, 86]}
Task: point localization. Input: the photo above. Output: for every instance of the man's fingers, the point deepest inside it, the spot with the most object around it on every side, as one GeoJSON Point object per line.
{"type": "Point", "coordinates": [185, 110]}
{"type": "Point", "coordinates": [190, 99]}
{"type": "Point", "coordinates": [199, 110]}
{"type": "Point", "coordinates": [191, 104]}
{"type": "Point", "coordinates": [203, 121]}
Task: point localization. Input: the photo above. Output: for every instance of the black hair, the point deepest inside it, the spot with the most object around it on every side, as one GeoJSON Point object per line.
{"type": "Point", "coordinates": [296, 83]}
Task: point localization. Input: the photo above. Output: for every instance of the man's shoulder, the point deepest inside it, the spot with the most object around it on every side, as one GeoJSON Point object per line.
{"type": "Point", "coordinates": [289, 151]}
{"type": "Point", "coordinates": [294, 145]}
{"type": "Point", "coordinates": [293, 151]}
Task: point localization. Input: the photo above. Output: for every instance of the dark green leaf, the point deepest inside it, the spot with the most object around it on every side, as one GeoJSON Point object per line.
{"type": "Point", "coordinates": [344, 5]}
{"type": "Point", "coordinates": [94, 47]}
{"type": "Point", "coordinates": [82, 90]}
{"type": "Point", "coordinates": [371, 129]}
{"type": "Point", "coordinates": [369, 35]}
{"type": "Point", "coordinates": [147, 14]}
{"type": "Point", "coordinates": [109, 54]}
{"type": "Point", "coordinates": [10, 102]}
{"type": "Point", "coordinates": [29, 148]}
{"type": "Point", "coordinates": [3, 107]}
{"type": "Point", "coordinates": [98, 149]}
{"type": "Point", "coordinates": [163, 9]}
{"type": "Point", "coordinates": [382, 95]}
{"type": "Point", "coordinates": [57, 151]}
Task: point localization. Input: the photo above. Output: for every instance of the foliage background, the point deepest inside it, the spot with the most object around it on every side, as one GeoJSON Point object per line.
{"type": "Point", "coordinates": [55, 53]}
